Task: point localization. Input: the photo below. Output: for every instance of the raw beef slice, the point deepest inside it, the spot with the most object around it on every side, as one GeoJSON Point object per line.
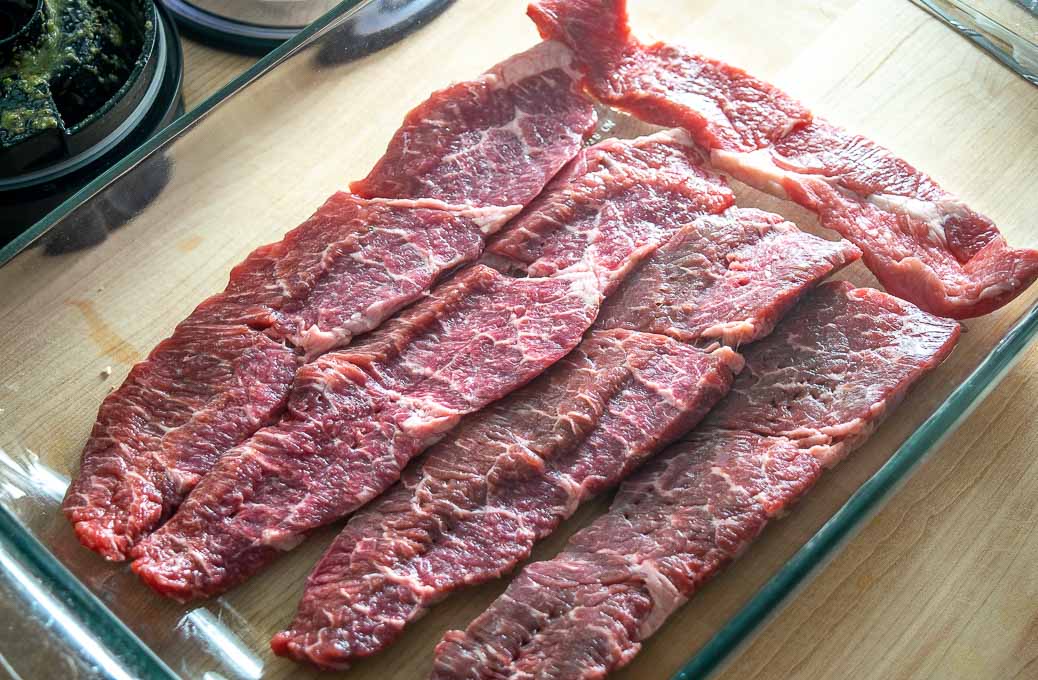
{"type": "Point", "coordinates": [495, 140]}
{"type": "Point", "coordinates": [355, 417]}
{"type": "Point", "coordinates": [810, 392]}
{"type": "Point", "coordinates": [724, 278]}
{"type": "Point", "coordinates": [226, 370]}
{"type": "Point", "coordinates": [474, 506]}
{"type": "Point", "coordinates": [613, 205]}
{"type": "Point", "coordinates": [477, 502]}
{"type": "Point", "coordinates": [721, 106]}
{"type": "Point", "coordinates": [921, 242]}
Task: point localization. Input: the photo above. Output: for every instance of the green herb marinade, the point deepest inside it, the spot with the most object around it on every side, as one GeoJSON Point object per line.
{"type": "Point", "coordinates": [81, 56]}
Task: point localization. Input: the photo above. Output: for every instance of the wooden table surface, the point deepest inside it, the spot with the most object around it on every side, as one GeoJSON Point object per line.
{"type": "Point", "coordinates": [940, 584]}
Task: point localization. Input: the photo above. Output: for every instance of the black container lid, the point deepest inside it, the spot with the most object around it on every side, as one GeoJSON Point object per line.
{"type": "Point", "coordinates": [393, 20]}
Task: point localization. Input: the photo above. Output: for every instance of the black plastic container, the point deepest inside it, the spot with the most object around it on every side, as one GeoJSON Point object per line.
{"type": "Point", "coordinates": [36, 177]}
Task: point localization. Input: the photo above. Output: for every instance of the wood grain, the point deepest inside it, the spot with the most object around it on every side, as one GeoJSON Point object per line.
{"type": "Point", "coordinates": [206, 70]}
{"type": "Point", "coordinates": [938, 585]}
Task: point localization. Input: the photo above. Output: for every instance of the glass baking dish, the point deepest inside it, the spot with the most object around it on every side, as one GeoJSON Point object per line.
{"type": "Point", "coordinates": [257, 158]}
{"type": "Point", "coordinates": [1007, 29]}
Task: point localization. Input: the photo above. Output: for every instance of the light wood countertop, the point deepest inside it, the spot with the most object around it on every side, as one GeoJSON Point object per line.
{"type": "Point", "coordinates": [940, 584]}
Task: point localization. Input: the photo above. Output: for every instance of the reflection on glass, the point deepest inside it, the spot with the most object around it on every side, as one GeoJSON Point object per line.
{"type": "Point", "coordinates": [223, 644]}
{"type": "Point", "coordinates": [42, 637]}
{"type": "Point", "coordinates": [369, 31]}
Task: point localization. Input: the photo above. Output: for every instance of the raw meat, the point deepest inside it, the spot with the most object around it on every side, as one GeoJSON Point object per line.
{"type": "Point", "coordinates": [479, 500]}
{"type": "Point", "coordinates": [198, 393]}
{"type": "Point", "coordinates": [355, 417]}
{"type": "Point", "coordinates": [492, 143]}
{"type": "Point", "coordinates": [610, 207]}
{"type": "Point", "coordinates": [810, 392]}
{"type": "Point", "coordinates": [720, 105]}
{"type": "Point", "coordinates": [226, 370]}
{"type": "Point", "coordinates": [495, 140]}
{"type": "Point", "coordinates": [921, 242]}
{"type": "Point", "coordinates": [726, 278]}
{"type": "Point", "coordinates": [332, 288]}
{"type": "Point", "coordinates": [474, 506]}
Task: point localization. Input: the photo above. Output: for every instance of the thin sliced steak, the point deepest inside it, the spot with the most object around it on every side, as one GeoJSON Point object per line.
{"type": "Point", "coordinates": [390, 252]}
{"type": "Point", "coordinates": [727, 278]}
{"type": "Point", "coordinates": [921, 242]}
{"type": "Point", "coordinates": [810, 392]}
{"type": "Point", "coordinates": [475, 505]}
{"type": "Point", "coordinates": [614, 228]}
{"type": "Point", "coordinates": [355, 417]}
{"type": "Point", "coordinates": [613, 205]}
{"type": "Point", "coordinates": [481, 498]}
{"type": "Point", "coordinates": [226, 370]}
{"type": "Point", "coordinates": [721, 106]}
{"type": "Point", "coordinates": [495, 140]}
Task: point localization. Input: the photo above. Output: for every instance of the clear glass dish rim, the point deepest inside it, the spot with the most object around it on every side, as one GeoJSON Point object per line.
{"type": "Point", "coordinates": [740, 628]}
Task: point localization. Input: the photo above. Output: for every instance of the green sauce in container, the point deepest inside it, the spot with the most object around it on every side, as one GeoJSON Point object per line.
{"type": "Point", "coordinates": [61, 61]}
